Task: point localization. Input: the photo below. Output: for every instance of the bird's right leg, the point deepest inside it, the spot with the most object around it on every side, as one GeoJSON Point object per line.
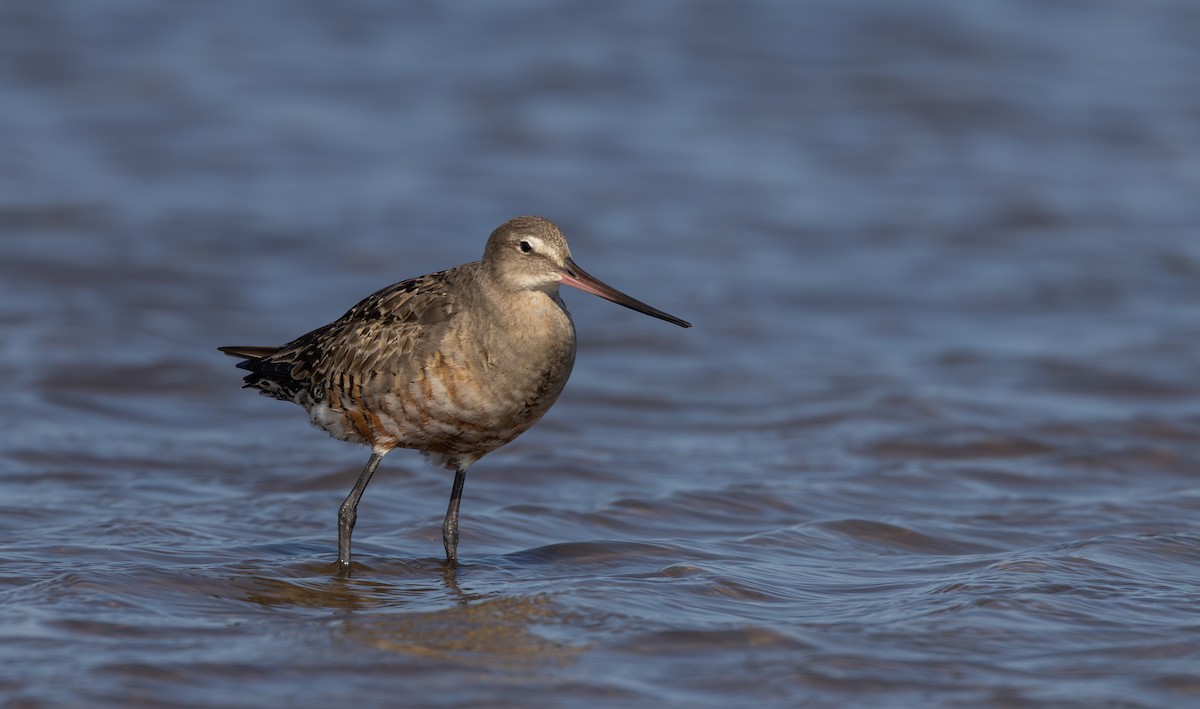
{"type": "Point", "coordinates": [348, 513]}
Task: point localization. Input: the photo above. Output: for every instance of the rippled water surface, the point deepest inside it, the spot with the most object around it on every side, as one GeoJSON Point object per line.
{"type": "Point", "coordinates": [933, 441]}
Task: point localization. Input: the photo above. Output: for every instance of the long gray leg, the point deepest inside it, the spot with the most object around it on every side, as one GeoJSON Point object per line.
{"type": "Point", "coordinates": [450, 524]}
{"type": "Point", "coordinates": [348, 513]}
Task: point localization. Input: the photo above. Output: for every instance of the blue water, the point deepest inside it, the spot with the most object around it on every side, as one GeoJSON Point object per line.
{"type": "Point", "coordinates": [934, 439]}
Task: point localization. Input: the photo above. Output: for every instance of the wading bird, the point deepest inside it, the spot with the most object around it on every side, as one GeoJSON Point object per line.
{"type": "Point", "coordinates": [453, 364]}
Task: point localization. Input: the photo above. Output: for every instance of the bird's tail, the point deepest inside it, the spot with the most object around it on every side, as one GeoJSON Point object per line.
{"type": "Point", "coordinates": [249, 352]}
{"type": "Point", "coordinates": [273, 379]}
{"type": "Point", "coordinates": [257, 360]}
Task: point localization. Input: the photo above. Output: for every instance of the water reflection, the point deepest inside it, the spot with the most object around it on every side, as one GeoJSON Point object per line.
{"type": "Point", "coordinates": [498, 631]}
{"type": "Point", "coordinates": [419, 608]}
{"type": "Point", "coordinates": [395, 583]}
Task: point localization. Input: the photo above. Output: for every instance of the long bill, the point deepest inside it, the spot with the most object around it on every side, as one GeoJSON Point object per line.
{"type": "Point", "coordinates": [576, 277]}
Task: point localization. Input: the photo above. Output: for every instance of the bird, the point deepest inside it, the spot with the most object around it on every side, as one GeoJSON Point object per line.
{"type": "Point", "coordinates": [453, 364]}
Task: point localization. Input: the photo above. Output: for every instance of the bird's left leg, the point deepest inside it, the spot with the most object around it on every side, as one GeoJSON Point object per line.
{"type": "Point", "coordinates": [450, 524]}
{"type": "Point", "coordinates": [348, 513]}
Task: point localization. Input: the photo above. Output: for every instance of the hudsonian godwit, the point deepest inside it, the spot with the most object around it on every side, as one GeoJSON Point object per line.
{"type": "Point", "coordinates": [453, 364]}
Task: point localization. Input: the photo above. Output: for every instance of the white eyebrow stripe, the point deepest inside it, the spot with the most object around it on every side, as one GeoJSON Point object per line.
{"type": "Point", "coordinates": [536, 242]}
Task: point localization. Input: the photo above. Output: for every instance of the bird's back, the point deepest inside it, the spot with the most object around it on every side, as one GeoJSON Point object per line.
{"type": "Point", "coordinates": [431, 363]}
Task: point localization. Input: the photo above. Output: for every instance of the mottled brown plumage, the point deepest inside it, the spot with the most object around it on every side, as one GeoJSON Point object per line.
{"type": "Point", "coordinates": [453, 364]}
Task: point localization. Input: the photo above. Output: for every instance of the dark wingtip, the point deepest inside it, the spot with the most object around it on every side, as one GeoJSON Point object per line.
{"type": "Point", "coordinates": [247, 352]}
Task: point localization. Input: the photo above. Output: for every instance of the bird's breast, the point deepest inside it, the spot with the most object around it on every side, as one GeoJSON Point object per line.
{"type": "Point", "coordinates": [487, 381]}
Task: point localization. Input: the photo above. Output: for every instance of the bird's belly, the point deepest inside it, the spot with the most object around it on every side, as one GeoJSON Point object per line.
{"type": "Point", "coordinates": [444, 409]}
{"type": "Point", "coordinates": [453, 409]}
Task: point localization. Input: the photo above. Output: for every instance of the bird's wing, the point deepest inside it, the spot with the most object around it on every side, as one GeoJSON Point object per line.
{"type": "Point", "coordinates": [383, 333]}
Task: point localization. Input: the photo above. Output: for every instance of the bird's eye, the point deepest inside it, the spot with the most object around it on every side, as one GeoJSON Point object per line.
{"type": "Point", "coordinates": [526, 247]}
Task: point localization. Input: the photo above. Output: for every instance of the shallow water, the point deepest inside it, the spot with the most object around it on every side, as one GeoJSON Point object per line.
{"type": "Point", "coordinates": [932, 442]}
